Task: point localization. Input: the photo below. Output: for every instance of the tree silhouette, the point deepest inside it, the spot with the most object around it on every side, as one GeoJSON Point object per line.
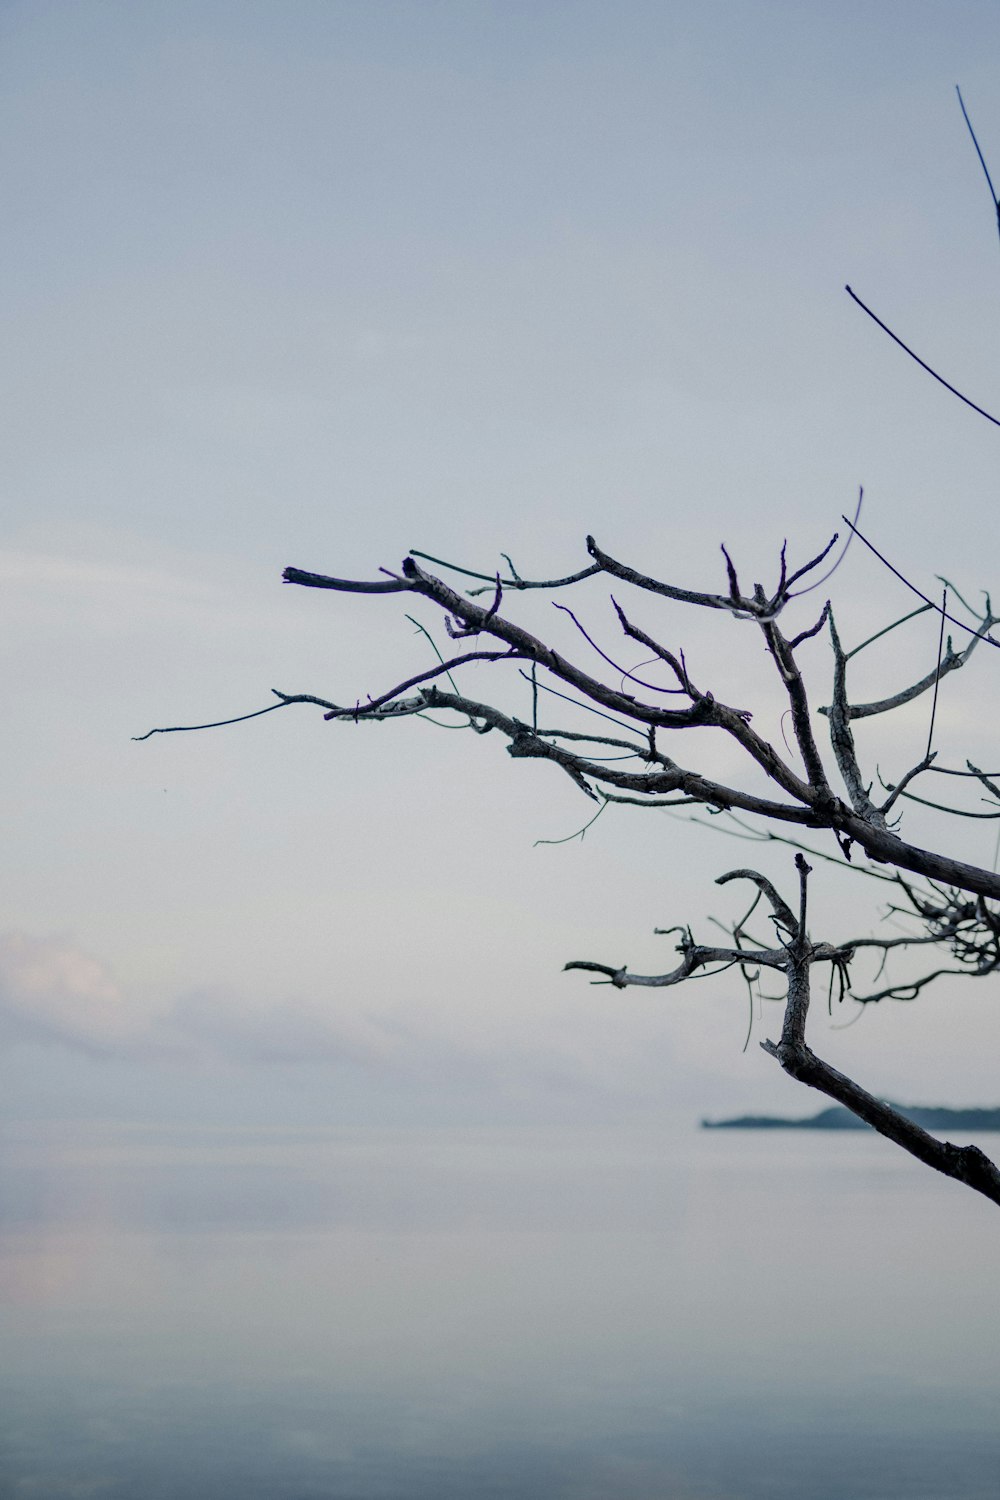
{"type": "Point", "coordinates": [780, 795]}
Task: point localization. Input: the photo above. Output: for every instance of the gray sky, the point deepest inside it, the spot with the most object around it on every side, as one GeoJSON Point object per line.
{"type": "Point", "coordinates": [312, 284]}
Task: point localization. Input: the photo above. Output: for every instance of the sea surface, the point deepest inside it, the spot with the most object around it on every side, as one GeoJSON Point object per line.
{"type": "Point", "coordinates": [512, 1314]}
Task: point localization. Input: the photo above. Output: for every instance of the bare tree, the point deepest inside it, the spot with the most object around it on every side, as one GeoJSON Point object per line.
{"type": "Point", "coordinates": [953, 906]}
{"type": "Point", "coordinates": [783, 794]}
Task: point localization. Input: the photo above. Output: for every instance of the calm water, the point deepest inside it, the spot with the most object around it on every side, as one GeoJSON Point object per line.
{"type": "Point", "coordinates": [366, 1315]}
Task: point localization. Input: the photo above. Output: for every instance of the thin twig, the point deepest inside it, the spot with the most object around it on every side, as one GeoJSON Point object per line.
{"type": "Point", "coordinates": [576, 702]}
{"type": "Point", "coordinates": [654, 687]}
{"type": "Point", "coordinates": [956, 812]}
{"type": "Point", "coordinates": [240, 718]}
{"type": "Point", "coordinates": [937, 674]}
{"type": "Point", "coordinates": [921, 362]}
{"type": "Point", "coordinates": [579, 834]}
{"type": "Point", "coordinates": [843, 553]}
{"type": "Point", "coordinates": [425, 676]}
{"type": "Point", "coordinates": [433, 645]}
{"type": "Point", "coordinates": [982, 161]}
{"type": "Point", "coordinates": [921, 609]}
{"type": "Point", "coordinates": [979, 635]}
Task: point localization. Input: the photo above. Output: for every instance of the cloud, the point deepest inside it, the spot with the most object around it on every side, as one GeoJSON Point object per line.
{"type": "Point", "coordinates": [235, 1028]}
{"type": "Point", "coordinates": [573, 1054]}
{"type": "Point", "coordinates": [52, 991]}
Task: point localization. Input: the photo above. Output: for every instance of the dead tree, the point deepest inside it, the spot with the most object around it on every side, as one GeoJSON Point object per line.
{"type": "Point", "coordinates": [954, 905]}
{"type": "Point", "coordinates": [801, 792]}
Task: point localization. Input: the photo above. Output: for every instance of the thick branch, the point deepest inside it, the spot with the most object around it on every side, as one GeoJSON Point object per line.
{"type": "Point", "coordinates": [513, 582]}
{"type": "Point", "coordinates": [879, 844]}
{"type": "Point", "coordinates": [343, 585]}
{"type": "Point", "coordinates": [791, 676]}
{"type": "Point", "coordinates": [477, 620]}
{"type": "Point", "coordinates": [783, 913]}
{"type": "Point", "coordinates": [842, 739]}
{"type": "Point", "coordinates": [795, 958]}
{"type": "Point", "coordinates": [608, 564]}
{"type": "Point", "coordinates": [885, 848]}
{"type": "Point", "coordinates": [965, 1163]}
{"type": "Point", "coordinates": [695, 957]}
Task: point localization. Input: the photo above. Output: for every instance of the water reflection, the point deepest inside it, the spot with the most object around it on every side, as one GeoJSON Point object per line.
{"type": "Point", "coordinates": [377, 1315]}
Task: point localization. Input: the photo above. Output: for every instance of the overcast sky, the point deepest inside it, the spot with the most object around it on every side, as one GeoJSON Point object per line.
{"type": "Point", "coordinates": [314, 283]}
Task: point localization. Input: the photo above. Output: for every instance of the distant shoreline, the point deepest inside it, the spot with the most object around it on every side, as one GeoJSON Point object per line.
{"type": "Point", "coordinates": [836, 1118]}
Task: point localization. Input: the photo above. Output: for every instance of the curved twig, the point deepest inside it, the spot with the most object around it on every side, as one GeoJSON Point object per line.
{"type": "Point", "coordinates": [921, 362]}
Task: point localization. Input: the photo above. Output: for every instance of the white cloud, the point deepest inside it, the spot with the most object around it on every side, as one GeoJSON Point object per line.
{"type": "Point", "coordinates": [234, 1028]}
{"type": "Point", "coordinates": [54, 994]}
{"type": "Point", "coordinates": [50, 990]}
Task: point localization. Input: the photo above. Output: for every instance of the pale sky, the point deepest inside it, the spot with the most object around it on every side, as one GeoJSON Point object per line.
{"type": "Point", "coordinates": [315, 283]}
